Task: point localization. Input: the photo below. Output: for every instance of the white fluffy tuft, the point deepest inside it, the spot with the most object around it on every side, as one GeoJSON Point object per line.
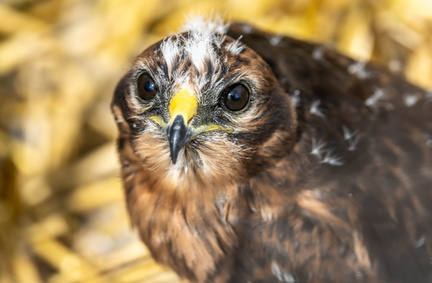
{"type": "Point", "coordinates": [201, 25]}
{"type": "Point", "coordinates": [203, 34]}
{"type": "Point", "coordinates": [170, 50]}
{"type": "Point", "coordinates": [235, 47]}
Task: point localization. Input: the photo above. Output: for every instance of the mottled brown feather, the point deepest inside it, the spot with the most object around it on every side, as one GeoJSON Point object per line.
{"type": "Point", "coordinates": [326, 177]}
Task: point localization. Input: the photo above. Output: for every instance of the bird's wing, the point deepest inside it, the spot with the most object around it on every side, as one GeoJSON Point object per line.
{"type": "Point", "coordinates": [365, 149]}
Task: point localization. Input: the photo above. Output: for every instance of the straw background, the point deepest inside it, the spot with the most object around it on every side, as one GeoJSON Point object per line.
{"type": "Point", "coordinates": [62, 212]}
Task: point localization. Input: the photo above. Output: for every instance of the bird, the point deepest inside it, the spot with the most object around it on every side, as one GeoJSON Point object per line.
{"type": "Point", "coordinates": [248, 156]}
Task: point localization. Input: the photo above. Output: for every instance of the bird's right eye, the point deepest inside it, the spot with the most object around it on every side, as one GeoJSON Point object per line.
{"type": "Point", "coordinates": [146, 87]}
{"type": "Point", "coordinates": [236, 97]}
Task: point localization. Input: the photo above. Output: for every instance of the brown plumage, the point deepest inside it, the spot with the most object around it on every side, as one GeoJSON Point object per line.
{"type": "Point", "coordinates": [249, 157]}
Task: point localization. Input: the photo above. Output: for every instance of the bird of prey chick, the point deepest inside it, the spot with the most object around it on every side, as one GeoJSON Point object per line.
{"type": "Point", "coordinates": [251, 157]}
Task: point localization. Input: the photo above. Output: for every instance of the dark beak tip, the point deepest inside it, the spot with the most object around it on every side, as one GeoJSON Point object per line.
{"type": "Point", "coordinates": [178, 135]}
{"type": "Point", "coordinates": [173, 157]}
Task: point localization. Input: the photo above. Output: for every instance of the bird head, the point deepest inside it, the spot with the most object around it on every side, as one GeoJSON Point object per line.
{"type": "Point", "coordinates": [202, 104]}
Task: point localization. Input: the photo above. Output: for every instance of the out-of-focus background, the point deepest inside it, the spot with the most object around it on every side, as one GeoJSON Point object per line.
{"type": "Point", "coordinates": [62, 212]}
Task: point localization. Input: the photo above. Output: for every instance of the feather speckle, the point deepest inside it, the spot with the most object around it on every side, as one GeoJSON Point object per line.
{"type": "Point", "coordinates": [317, 147]}
{"type": "Point", "coordinates": [420, 242]}
{"type": "Point", "coordinates": [318, 53]}
{"type": "Point", "coordinates": [275, 40]}
{"type": "Point", "coordinates": [351, 137]}
{"type": "Point", "coordinates": [246, 28]}
{"type": "Point", "coordinates": [296, 98]}
{"type": "Point", "coordinates": [281, 275]}
{"type": "Point", "coordinates": [331, 158]}
{"type": "Point", "coordinates": [376, 98]}
{"type": "Point", "coordinates": [410, 99]}
{"type": "Point", "coordinates": [324, 155]}
{"type": "Point", "coordinates": [316, 110]}
{"type": "Point", "coordinates": [360, 70]}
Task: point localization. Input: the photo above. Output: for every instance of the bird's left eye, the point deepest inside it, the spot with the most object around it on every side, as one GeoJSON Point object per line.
{"type": "Point", "coordinates": [236, 97]}
{"type": "Point", "coordinates": [146, 87]}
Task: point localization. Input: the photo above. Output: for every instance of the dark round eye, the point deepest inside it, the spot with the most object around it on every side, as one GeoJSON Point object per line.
{"type": "Point", "coordinates": [146, 87]}
{"type": "Point", "coordinates": [236, 97]}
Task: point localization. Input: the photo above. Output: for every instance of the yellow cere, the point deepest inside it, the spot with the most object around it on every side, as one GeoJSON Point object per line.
{"type": "Point", "coordinates": [183, 103]}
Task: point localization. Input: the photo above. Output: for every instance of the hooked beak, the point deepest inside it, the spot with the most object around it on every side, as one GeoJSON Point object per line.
{"type": "Point", "coordinates": [182, 108]}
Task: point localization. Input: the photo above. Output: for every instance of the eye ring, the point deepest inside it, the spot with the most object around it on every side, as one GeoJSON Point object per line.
{"type": "Point", "coordinates": [146, 87]}
{"type": "Point", "coordinates": [236, 97]}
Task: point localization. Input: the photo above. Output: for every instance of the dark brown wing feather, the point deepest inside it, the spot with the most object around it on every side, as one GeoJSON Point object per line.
{"type": "Point", "coordinates": [365, 214]}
